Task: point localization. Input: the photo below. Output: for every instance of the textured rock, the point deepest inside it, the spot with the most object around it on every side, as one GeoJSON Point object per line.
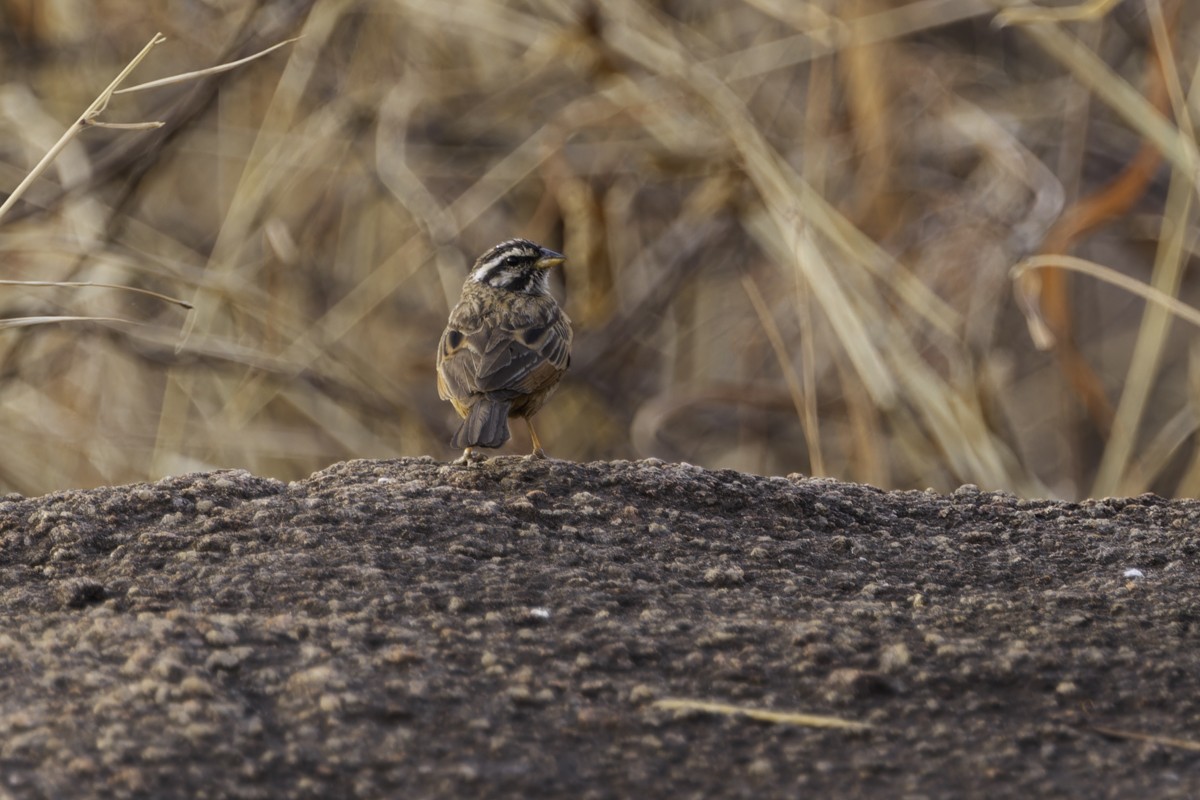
{"type": "Point", "coordinates": [409, 628]}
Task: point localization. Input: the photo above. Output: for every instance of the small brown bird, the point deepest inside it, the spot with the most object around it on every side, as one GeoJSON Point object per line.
{"type": "Point", "coordinates": [506, 346]}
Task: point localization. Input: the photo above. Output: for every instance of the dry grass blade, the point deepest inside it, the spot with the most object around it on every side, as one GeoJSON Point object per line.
{"type": "Point", "coordinates": [87, 118]}
{"type": "Point", "coordinates": [100, 103]}
{"type": "Point", "coordinates": [203, 73]}
{"type": "Point", "coordinates": [257, 180]}
{"type": "Point", "coordinates": [788, 197]}
{"type": "Point", "coordinates": [778, 186]}
{"type": "Point", "coordinates": [1026, 15]}
{"type": "Point", "coordinates": [124, 126]}
{"type": "Point", "coordinates": [25, 322]}
{"type": "Point", "coordinates": [117, 286]}
{"type": "Point", "coordinates": [1027, 288]}
{"type": "Point", "coordinates": [264, 168]}
{"type": "Point", "coordinates": [1165, 741]}
{"type": "Point", "coordinates": [819, 41]}
{"type": "Point", "coordinates": [1173, 435]}
{"type": "Point", "coordinates": [849, 313]}
{"type": "Point", "coordinates": [804, 412]}
{"type": "Point", "coordinates": [1110, 276]}
{"type": "Point", "coordinates": [1166, 280]}
{"type": "Point", "coordinates": [1110, 87]}
{"type": "Point", "coordinates": [762, 715]}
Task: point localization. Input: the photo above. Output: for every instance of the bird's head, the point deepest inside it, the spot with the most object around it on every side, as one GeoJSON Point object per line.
{"type": "Point", "coordinates": [517, 265]}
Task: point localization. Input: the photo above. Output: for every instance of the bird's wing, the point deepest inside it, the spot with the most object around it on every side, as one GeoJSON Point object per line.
{"type": "Point", "coordinates": [457, 364]}
{"type": "Point", "coordinates": [503, 360]}
{"type": "Point", "coordinates": [528, 359]}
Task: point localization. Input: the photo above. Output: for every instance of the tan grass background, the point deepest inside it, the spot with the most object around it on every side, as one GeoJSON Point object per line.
{"type": "Point", "coordinates": [790, 228]}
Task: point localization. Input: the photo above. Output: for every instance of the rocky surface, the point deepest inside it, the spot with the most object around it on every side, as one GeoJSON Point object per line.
{"type": "Point", "coordinates": [518, 629]}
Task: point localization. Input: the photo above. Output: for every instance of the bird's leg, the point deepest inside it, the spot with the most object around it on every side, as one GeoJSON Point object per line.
{"type": "Point", "coordinates": [538, 453]}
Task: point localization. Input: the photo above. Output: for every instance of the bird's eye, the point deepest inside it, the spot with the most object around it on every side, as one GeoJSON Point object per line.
{"type": "Point", "coordinates": [512, 261]}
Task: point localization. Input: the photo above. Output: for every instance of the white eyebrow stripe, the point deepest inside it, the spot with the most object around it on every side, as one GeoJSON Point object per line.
{"type": "Point", "coordinates": [480, 274]}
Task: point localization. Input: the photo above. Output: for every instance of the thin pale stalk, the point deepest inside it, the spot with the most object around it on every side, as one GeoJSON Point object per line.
{"type": "Point", "coordinates": [87, 118]}
{"type": "Point", "coordinates": [1156, 321]}
{"type": "Point", "coordinates": [203, 73]}
{"type": "Point", "coordinates": [795, 387]}
{"type": "Point", "coordinates": [117, 286]}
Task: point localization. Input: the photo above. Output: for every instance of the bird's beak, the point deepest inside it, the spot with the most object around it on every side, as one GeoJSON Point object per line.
{"type": "Point", "coordinates": [549, 259]}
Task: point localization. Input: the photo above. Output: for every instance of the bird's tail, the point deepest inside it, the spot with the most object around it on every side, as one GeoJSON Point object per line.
{"type": "Point", "coordinates": [486, 425]}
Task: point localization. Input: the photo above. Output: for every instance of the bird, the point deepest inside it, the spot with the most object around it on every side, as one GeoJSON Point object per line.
{"type": "Point", "coordinates": [506, 346]}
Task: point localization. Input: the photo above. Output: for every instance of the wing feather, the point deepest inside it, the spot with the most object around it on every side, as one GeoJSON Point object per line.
{"type": "Point", "coordinates": [527, 360]}
{"type": "Point", "coordinates": [502, 361]}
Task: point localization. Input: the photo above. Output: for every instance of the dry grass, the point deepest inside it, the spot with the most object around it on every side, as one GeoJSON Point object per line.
{"type": "Point", "coordinates": [790, 229]}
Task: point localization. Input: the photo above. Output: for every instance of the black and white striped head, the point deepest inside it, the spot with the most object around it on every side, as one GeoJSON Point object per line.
{"type": "Point", "coordinates": [517, 265]}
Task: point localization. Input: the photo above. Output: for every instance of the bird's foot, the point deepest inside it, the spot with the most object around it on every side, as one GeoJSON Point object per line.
{"type": "Point", "coordinates": [470, 456]}
{"type": "Point", "coordinates": [537, 455]}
